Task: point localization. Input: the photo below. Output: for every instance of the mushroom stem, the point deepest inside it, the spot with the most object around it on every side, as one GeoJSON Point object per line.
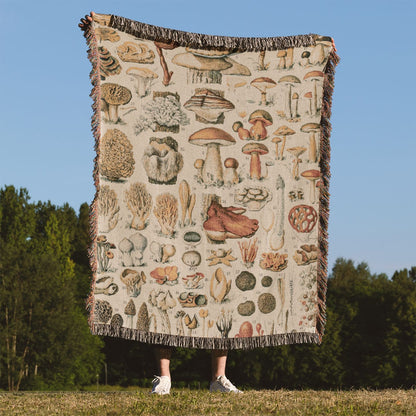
{"type": "Point", "coordinates": [263, 98]}
{"type": "Point", "coordinates": [315, 99]}
{"type": "Point", "coordinates": [167, 75]}
{"type": "Point", "coordinates": [282, 148]}
{"type": "Point", "coordinates": [113, 113]}
{"type": "Point", "coordinates": [255, 166]}
{"type": "Point", "coordinates": [312, 148]}
{"type": "Point", "coordinates": [212, 169]}
{"type": "Point", "coordinates": [261, 60]}
{"type": "Point", "coordinates": [312, 191]}
{"type": "Point", "coordinates": [289, 101]}
{"type": "Point", "coordinates": [258, 131]}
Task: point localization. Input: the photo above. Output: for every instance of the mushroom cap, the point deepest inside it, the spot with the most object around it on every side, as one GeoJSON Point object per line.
{"type": "Point", "coordinates": [189, 60]}
{"type": "Point", "coordinates": [305, 54]}
{"type": "Point", "coordinates": [138, 72]}
{"type": "Point", "coordinates": [284, 131]}
{"type": "Point", "coordinates": [295, 96]}
{"type": "Point", "coordinates": [208, 53]}
{"type": "Point", "coordinates": [115, 94]}
{"type": "Point", "coordinates": [125, 245]}
{"type": "Point", "coordinates": [290, 79]}
{"type": "Point", "coordinates": [296, 151]}
{"type": "Point", "coordinates": [208, 99]}
{"type": "Point", "coordinates": [130, 308]}
{"type": "Point", "coordinates": [310, 127]}
{"type": "Point", "coordinates": [165, 45]}
{"type": "Point", "coordinates": [282, 53]}
{"type": "Point", "coordinates": [308, 94]}
{"type": "Point", "coordinates": [230, 162]}
{"type": "Point", "coordinates": [211, 135]}
{"type": "Point", "coordinates": [261, 115]}
{"type": "Point", "coordinates": [237, 125]}
{"type": "Point", "coordinates": [139, 241]}
{"type": "Point", "coordinates": [263, 83]}
{"type": "Point", "coordinates": [198, 163]}
{"type": "Point", "coordinates": [255, 147]}
{"type": "Point", "coordinates": [326, 40]}
{"type": "Point", "coordinates": [314, 75]}
{"type": "Point", "coordinates": [311, 174]}
{"type": "Point", "coordinates": [276, 140]}
{"type": "Point", "coordinates": [235, 68]}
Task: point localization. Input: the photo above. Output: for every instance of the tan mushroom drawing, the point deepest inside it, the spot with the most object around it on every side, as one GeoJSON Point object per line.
{"type": "Point", "coordinates": [108, 64]}
{"type": "Point", "coordinates": [106, 33]}
{"type": "Point", "coordinates": [295, 101]}
{"type": "Point", "coordinates": [139, 203]}
{"type": "Point", "coordinates": [166, 212]}
{"type": "Point", "coordinates": [112, 96]}
{"type": "Point", "coordinates": [314, 151]}
{"type": "Point", "coordinates": [285, 58]}
{"type": "Point", "coordinates": [289, 81]}
{"type": "Point", "coordinates": [283, 131]}
{"type": "Point", "coordinates": [144, 78]}
{"type": "Point", "coordinates": [262, 66]}
{"type": "Point", "coordinates": [276, 141]}
{"type": "Point", "coordinates": [219, 286]}
{"type": "Point", "coordinates": [209, 106]}
{"type": "Point", "coordinates": [213, 138]}
{"type": "Point", "coordinates": [313, 176]}
{"type": "Point", "coordinates": [187, 199]}
{"type": "Point", "coordinates": [314, 77]}
{"type": "Point", "coordinates": [167, 75]}
{"type": "Point", "coordinates": [263, 84]}
{"type": "Point", "coordinates": [135, 52]}
{"type": "Point", "coordinates": [308, 96]}
{"type": "Point", "coordinates": [296, 152]}
{"type": "Point", "coordinates": [230, 175]}
{"type": "Point", "coordinates": [319, 53]}
{"type": "Point", "coordinates": [255, 150]}
{"type": "Point", "coordinates": [243, 133]}
{"type": "Point", "coordinates": [260, 119]}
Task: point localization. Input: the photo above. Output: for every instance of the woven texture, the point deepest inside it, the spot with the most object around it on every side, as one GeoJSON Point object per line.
{"type": "Point", "coordinates": [212, 172]}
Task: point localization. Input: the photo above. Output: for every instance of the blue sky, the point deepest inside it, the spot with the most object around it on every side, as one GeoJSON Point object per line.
{"type": "Point", "coordinates": [47, 146]}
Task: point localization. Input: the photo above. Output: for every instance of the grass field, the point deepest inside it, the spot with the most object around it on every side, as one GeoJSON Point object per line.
{"type": "Point", "coordinates": [200, 402]}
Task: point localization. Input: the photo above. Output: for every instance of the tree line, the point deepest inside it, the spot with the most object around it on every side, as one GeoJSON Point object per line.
{"type": "Point", "coordinates": [45, 342]}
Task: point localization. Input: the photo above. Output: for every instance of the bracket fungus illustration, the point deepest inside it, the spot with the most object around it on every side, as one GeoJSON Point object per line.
{"type": "Point", "coordinates": [162, 161]}
{"type": "Point", "coordinates": [228, 222]}
{"type": "Point", "coordinates": [116, 157]}
{"type": "Point", "coordinates": [165, 275]}
{"type": "Point", "coordinates": [187, 200]}
{"type": "Point", "coordinates": [209, 106]}
{"type": "Point", "coordinates": [255, 150]}
{"type": "Point", "coordinates": [260, 119]}
{"type": "Point", "coordinates": [160, 46]}
{"type": "Point", "coordinates": [296, 152]}
{"type": "Point", "coordinates": [312, 175]}
{"type": "Point", "coordinates": [289, 81]}
{"type": "Point", "coordinates": [133, 281]}
{"type": "Point", "coordinates": [314, 77]}
{"type": "Point", "coordinates": [139, 203]}
{"type": "Point", "coordinates": [219, 286]}
{"type": "Point", "coordinates": [106, 33]}
{"type": "Point", "coordinates": [108, 208]}
{"type": "Point", "coordinates": [212, 138]}
{"type": "Point", "coordinates": [139, 53]}
{"type": "Point", "coordinates": [113, 96]}
{"type": "Point", "coordinates": [109, 65]}
{"type": "Point", "coordinates": [166, 212]}
{"type": "Point", "coordinates": [144, 78]}
{"type": "Point", "coordinates": [312, 129]}
{"type": "Point", "coordinates": [263, 84]}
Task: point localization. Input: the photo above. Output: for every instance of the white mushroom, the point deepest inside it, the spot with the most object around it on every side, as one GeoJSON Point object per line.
{"type": "Point", "coordinates": [126, 246]}
{"type": "Point", "coordinates": [144, 77]}
{"type": "Point", "coordinates": [140, 243]}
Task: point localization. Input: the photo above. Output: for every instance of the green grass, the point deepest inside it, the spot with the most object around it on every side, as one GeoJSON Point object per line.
{"type": "Point", "coordinates": [201, 402]}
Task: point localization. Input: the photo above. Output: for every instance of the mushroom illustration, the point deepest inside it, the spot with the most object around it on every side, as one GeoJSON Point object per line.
{"type": "Point", "coordinates": [289, 81]}
{"type": "Point", "coordinates": [283, 131]}
{"type": "Point", "coordinates": [219, 286]}
{"type": "Point", "coordinates": [212, 138]}
{"type": "Point", "coordinates": [162, 252]}
{"type": "Point", "coordinates": [224, 323]}
{"type": "Point", "coordinates": [139, 203]}
{"type": "Point", "coordinates": [248, 251]}
{"type": "Point", "coordinates": [308, 96]}
{"type": "Point", "coordinates": [140, 243]}
{"type": "Point", "coordinates": [144, 78]}
{"type": "Point", "coordinates": [167, 75]}
{"type": "Point", "coordinates": [102, 311]}
{"type": "Point", "coordinates": [104, 255]}
{"type": "Point", "coordinates": [209, 106]}
{"type": "Point", "coordinates": [255, 150]}
{"type": "Point", "coordinates": [106, 33]}
{"type": "Point", "coordinates": [108, 64]}
{"type": "Point", "coordinates": [116, 158]}
{"type": "Point", "coordinates": [277, 238]}
{"type": "Point", "coordinates": [296, 152]}
{"type": "Point", "coordinates": [112, 96]}
{"type": "Point", "coordinates": [143, 318]}
{"type": "Point", "coordinates": [187, 200]}
{"type": "Point", "coordinates": [295, 98]}
{"type": "Point", "coordinates": [202, 68]}
{"type": "Point", "coordinates": [285, 58]}
{"type": "Point", "coordinates": [263, 84]}
{"type": "Point", "coordinates": [260, 119]}
{"type": "Point", "coordinates": [163, 301]}
{"type": "Point", "coordinates": [314, 76]}
{"type": "Point", "coordinates": [126, 247]}
{"type": "Point", "coordinates": [108, 209]}
{"type": "Point", "coordinates": [318, 54]}
{"type": "Point", "coordinates": [203, 313]}
{"type": "Point", "coordinates": [314, 151]}
{"type": "Point", "coordinates": [262, 66]}
{"type": "Point", "coordinates": [276, 141]}
{"type": "Point", "coordinates": [236, 68]}
{"type": "Point", "coordinates": [166, 212]}
{"type": "Point", "coordinates": [135, 52]}
{"type": "Point", "coordinates": [192, 259]}
{"type": "Point", "coordinates": [198, 165]}
{"type": "Point", "coordinates": [243, 133]}
{"type": "Point", "coordinates": [190, 323]}
{"type": "Point", "coordinates": [304, 61]}
{"type": "Point", "coordinates": [313, 176]}
{"type": "Point", "coordinates": [230, 174]}
{"type": "Point", "coordinates": [133, 281]}
{"type": "Point", "coordinates": [130, 311]}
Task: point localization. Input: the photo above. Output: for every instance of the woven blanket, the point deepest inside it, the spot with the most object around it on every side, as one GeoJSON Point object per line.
{"type": "Point", "coordinates": [209, 223]}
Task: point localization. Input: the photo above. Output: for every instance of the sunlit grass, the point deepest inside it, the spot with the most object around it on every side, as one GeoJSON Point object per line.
{"type": "Point", "coordinates": [201, 402]}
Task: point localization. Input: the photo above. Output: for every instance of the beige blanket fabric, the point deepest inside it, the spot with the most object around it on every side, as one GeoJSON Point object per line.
{"type": "Point", "coordinates": [212, 169]}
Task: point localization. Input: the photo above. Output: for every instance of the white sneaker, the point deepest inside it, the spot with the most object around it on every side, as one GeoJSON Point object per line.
{"type": "Point", "coordinates": [223, 385]}
{"type": "Point", "coordinates": [161, 385]}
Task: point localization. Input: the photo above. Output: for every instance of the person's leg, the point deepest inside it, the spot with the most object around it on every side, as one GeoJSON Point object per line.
{"type": "Point", "coordinates": [162, 383]}
{"type": "Point", "coordinates": [219, 381]}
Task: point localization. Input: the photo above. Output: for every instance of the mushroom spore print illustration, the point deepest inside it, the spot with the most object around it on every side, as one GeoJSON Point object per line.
{"type": "Point", "coordinates": [212, 181]}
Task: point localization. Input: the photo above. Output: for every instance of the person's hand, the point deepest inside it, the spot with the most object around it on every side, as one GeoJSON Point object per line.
{"type": "Point", "coordinates": [86, 21]}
